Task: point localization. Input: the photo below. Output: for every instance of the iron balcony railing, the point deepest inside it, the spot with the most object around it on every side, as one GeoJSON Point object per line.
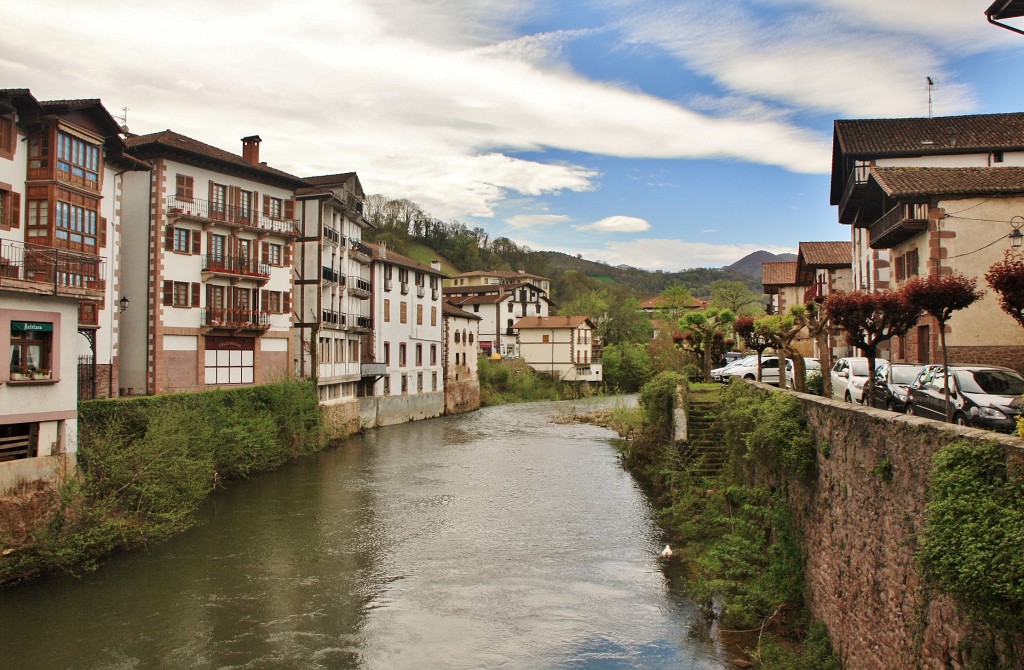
{"type": "Point", "coordinates": [359, 286]}
{"type": "Point", "coordinates": [332, 235]}
{"type": "Point", "coordinates": [214, 211]}
{"type": "Point", "coordinates": [329, 317]}
{"type": "Point", "coordinates": [434, 294]}
{"type": "Point", "coordinates": [360, 249]}
{"type": "Point", "coordinates": [241, 319]}
{"type": "Point", "coordinates": [59, 268]}
{"type": "Point", "coordinates": [362, 322]}
{"type": "Point", "coordinates": [404, 286]}
{"type": "Point", "coordinates": [331, 276]}
{"type": "Point", "coordinates": [853, 191]}
{"type": "Point", "coordinates": [236, 265]}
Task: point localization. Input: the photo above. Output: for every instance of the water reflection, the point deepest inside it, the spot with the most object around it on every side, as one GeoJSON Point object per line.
{"type": "Point", "coordinates": [495, 539]}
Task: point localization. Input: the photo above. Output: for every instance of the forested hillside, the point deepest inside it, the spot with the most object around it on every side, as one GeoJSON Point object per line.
{"type": "Point", "coordinates": [406, 228]}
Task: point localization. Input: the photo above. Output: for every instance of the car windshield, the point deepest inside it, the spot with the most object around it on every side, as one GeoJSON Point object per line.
{"type": "Point", "coordinates": [812, 365]}
{"type": "Point", "coordinates": [905, 374]}
{"type": "Point", "coordinates": [859, 368]}
{"type": "Point", "coordinates": [994, 382]}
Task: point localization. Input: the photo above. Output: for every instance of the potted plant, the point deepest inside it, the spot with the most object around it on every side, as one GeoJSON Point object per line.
{"type": "Point", "coordinates": [41, 373]}
{"type": "Point", "coordinates": [20, 375]}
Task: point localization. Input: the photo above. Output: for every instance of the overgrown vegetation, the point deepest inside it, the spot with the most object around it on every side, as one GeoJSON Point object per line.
{"type": "Point", "coordinates": [738, 535]}
{"type": "Point", "coordinates": [512, 380]}
{"type": "Point", "coordinates": [146, 465]}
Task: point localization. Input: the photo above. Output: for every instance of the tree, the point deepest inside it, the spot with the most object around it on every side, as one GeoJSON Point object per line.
{"type": "Point", "coordinates": [626, 323]}
{"type": "Point", "coordinates": [782, 329]}
{"type": "Point", "coordinates": [676, 300]}
{"type": "Point", "coordinates": [940, 296]}
{"type": "Point", "coordinates": [755, 338]}
{"type": "Point", "coordinates": [871, 318]}
{"type": "Point", "coordinates": [734, 296]}
{"type": "Point", "coordinates": [627, 367]}
{"type": "Point", "coordinates": [664, 355]}
{"type": "Point", "coordinates": [1007, 279]}
{"type": "Point", "coordinates": [818, 327]}
{"type": "Point", "coordinates": [703, 325]}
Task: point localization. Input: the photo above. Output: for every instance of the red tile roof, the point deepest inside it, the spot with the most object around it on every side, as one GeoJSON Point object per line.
{"type": "Point", "coordinates": [778, 273]}
{"type": "Point", "coordinates": [909, 182]}
{"type": "Point", "coordinates": [505, 274]}
{"type": "Point", "coordinates": [825, 254]}
{"type": "Point", "coordinates": [529, 322]}
{"type": "Point", "coordinates": [170, 141]}
{"type": "Point", "coordinates": [939, 135]}
{"type": "Point", "coordinates": [489, 299]}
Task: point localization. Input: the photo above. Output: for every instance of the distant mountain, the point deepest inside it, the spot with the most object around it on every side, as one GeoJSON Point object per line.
{"type": "Point", "coordinates": [750, 265]}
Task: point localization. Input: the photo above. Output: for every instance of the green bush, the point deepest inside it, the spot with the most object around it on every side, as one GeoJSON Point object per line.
{"type": "Point", "coordinates": [512, 380]}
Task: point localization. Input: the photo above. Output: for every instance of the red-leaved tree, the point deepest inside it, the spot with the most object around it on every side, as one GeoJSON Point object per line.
{"type": "Point", "coordinates": [940, 297]}
{"type": "Point", "coordinates": [871, 318]}
{"type": "Point", "coordinates": [1007, 279]}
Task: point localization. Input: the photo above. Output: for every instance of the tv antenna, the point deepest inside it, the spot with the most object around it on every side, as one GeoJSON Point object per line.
{"type": "Point", "coordinates": [931, 84]}
{"type": "Point", "coordinates": [124, 119]}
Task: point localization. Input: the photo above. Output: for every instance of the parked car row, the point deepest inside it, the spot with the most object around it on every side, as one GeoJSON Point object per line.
{"type": "Point", "coordinates": [746, 368]}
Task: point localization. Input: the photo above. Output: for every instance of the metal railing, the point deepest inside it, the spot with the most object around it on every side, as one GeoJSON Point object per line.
{"type": "Point", "coordinates": [235, 265]}
{"type": "Point", "coordinates": [358, 284]}
{"type": "Point", "coordinates": [387, 284]}
{"type": "Point", "coordinates": [332, 235]}
{"type": "Point", "coordinates": [329, 317]}
{"type": "Point", "coordinates": [51, 265]}
{"type": "Point", "coordinates": [213, 211]}
{"type": "Point", "coordinates": [332, 276]}
{"type": "Point", "coordinates": [421, 291]}
{"type": "Point", "coordinates": [404, 286]}
{"type": "Point", "coordinates": [249, 319]}
{"type": "Point", "coordinates": [358, 248]}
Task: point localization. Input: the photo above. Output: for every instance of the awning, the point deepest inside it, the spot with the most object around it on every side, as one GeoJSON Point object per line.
{"type": "Point", "coordinates": [31, 327]}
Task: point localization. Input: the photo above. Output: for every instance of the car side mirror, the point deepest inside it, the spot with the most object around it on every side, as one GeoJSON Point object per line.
{"type": "Point", "coordinates": [844, 374]}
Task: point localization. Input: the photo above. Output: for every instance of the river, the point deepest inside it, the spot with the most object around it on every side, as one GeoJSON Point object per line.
{"type": "Point", "coordinates": [495, 539]}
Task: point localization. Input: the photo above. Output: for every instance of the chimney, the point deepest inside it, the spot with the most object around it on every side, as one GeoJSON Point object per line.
{"type": "Point", "coordinates": [251, 149]}
{"type": "Point", "coordinates": [435, 265]}
{"type": "Point", "coordinates": [383, 248]}
{"type": "Point", "coordinates": [522, 272]}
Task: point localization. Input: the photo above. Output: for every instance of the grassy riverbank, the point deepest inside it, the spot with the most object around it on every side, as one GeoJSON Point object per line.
{"type": "Point", "coordinates": [511, 380]}
{"type": "Point", "coordinates": [736, 535]}
{"type": "Point", "coordinates": [146, 465]}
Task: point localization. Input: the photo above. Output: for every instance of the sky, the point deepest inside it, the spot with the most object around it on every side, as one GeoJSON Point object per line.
{"type": "Point", "coordinates": [659, 134]}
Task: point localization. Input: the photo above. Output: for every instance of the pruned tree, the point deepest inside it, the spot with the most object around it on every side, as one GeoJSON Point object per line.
{"type": "Point", "coordinates": [755, 338]}
{"type": "Point", "coordinates": [783, 329]}
{"type": "Point", "coordinates": [871, 318]}
{"type": "Point", "coordinates": [818, 327]}
{"type": "Point", "coordinates": [940, 297]}
{"type": "Point", "coordinates": [1007, 279]}
{"type": "Point", "coordinates": [703, 325]}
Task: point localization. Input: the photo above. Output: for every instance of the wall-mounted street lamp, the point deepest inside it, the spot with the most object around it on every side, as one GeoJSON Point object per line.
{"type": "Point", "coordinates": [1016, 237]}
{"type": "Point", "coordinates": [124, 300]}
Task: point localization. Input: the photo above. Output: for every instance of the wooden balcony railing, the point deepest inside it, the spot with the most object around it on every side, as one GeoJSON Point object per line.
{"type": "Point", "coordinates": [898, 224]}
{"type": "Point", "coordinates": [853, 192]}
{"type": "Point", "coordinates": [205, 210]}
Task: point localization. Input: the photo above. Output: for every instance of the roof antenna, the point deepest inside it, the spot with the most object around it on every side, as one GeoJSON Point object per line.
{"type": "Point", "coordinates": [124, 120]}
{"type": "Point", "coordinates": [931, 85]}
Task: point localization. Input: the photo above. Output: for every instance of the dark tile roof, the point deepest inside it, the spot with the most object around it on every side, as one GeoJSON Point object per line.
{"type": "Point", "coordinates": [528, 322]}
{"type": "Point", "coordinates": [168, 140]}
{"type": "Point", "coordinates": [778, 273]}
{"type": "Point", "coordinates": [825, 254]}
{"type": "Point", "coordinates": [1005, 9]}
{"type": "Point", "coordinates": [449, 309]}
{"type": "Point", "coordinates": [908, 182]}
{"type": "Point", "coordinates": [331, 179]}
{"type": "Point", "coordinates": [488, 299]}
{"type": "Point", "coordinates": [395, 258]}
{"type": "Point", "coordinates": [504, 274]}
{"type": "Point", "coordinates": [864, 138]}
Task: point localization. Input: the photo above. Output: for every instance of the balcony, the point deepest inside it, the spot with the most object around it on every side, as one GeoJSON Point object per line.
{"type": "Point", "coordinates": [853, 194]}
{"type": "Point", "coordinates": [333, 236]}
{"type": "Point", "coordinates": [359, 251]}
{"type": "Point", "coordinates": [373, 369]}
{"type": "Point", "coordinates": [331, 319]}
{"type": "Point", "coordinates": [237, 320]}
{"type": "Point", "coordinates": [435, 293]}
{"type": "Point", "coordinates": [235, 268]}
{"type": "Point", "coordinates": [387, 285]}
{"type": "Point", "coordinates": [206, 212]}
{"type": "Point", "coordinates": [421, 291]}
{"type": "Point", "coordinates": [331, 276]}
{"type": "Point", "coordinates": [404, 287]}
{"type": "Point", "coordinates": [359, 287]}
{"type": "Point", "coordinates": [48, 270]}
{"type": "Point", "coordinates": [898, 224]}
{"type": "Point", "coordinates": [360, 323]}
{"type": "Point", "coordinates": [354, 208]}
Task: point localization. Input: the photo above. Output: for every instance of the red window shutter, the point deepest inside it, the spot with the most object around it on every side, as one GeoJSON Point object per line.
{"type": "Point", "coordinates": [169, 238]}
{"type": "Point", "coordinates": [289, 209]}
{"type": "Point", "coordinates": [266, 205]}
{"type": "Point", "coordinates": [286, 302]}
{"type": "Point", "coordinates": [168, 292]}
{"type": "Point", "coordinates": [196, 242]}
{"type": "Point", "coordinates": [15, 210]}
{"type": "Point", "coordinates": [266, 252]}
{"type": "Point", "coordinates": [195, 294]}
{"type": "Point", "coordinates": [264, 301]}
{"type": "Point", "coordinates": [103, 232]}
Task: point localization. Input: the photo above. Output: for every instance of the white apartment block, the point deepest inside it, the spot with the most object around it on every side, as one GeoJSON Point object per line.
{"type": "Point", "coordinates": [211, 297]}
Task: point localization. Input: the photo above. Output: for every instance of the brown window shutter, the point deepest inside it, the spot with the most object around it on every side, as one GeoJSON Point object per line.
{"type": "Point", "coordinates": [169, 238]}
{"type": "Point", "coordinates": [266, 205]}
{"type": "Point", "coordinates": [195, 294]}
{"type": "Point", "coordinates": [209, 296]}
{"type": "Point", "coordinates": [286, 302]}
{"type": "Point", "coordinates": [15, 210]}
{"type": "Point", "coordinates": [264, 301]}
{"type": "Point", "coordinates": [266, 252]}
{"type": "Point", "coordinates": [103, 232]}
{"type": "Point", "coordinates": [196, 242]}
{"type": "Point", "coordinates": [168, 292]}
{"type": "Point", "coordinates": [211, 197]}
{"type": "Point", "coordinates": [289, 209]}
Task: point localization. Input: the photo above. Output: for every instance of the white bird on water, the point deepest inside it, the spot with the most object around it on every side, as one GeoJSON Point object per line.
{"type": "Point", "coordinates": [666, 552]}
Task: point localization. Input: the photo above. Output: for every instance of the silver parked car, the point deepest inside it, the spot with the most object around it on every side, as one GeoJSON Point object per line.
{"type": "Point", "coordinates": [849, 375]}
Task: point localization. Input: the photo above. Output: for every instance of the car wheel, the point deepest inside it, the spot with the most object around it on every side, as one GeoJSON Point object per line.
{"type": "Point", "coordinates": [910, 410]}
{"type": "Point", "coordinates": [960, 419]}
{"type": "Point", "coordinates": [889, 406]}
{"type": "Point", "coordinates": [750, 377]}
{"type": "Point", "coordinates": [848, 397]}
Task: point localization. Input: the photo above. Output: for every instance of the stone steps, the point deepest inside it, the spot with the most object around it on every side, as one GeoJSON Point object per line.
{"type": "Point", "coordinates": [704, 449]}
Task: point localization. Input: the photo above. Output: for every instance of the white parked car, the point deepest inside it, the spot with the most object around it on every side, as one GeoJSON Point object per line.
{"type": "Point", "coordinates": [849, 375]}
{"type": "Point", "coordinates": [769, 370]}
{"type": "Point", "coordinates": [718, 373]}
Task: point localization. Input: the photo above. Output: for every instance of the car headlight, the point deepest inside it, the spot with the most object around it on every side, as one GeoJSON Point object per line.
{"type": "Point", "coordinates": [990, 413]}
{"type": "Point", "coordinates": [857, 384]}
{"type": "Point", "coordinates": [902, 395]}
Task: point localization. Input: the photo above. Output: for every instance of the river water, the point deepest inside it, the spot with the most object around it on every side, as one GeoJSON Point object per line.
{"type": "Point", "coordinates": [495, 539]}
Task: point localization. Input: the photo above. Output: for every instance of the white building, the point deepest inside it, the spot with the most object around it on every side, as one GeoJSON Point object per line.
{"type": "Point", "coordinates": [333, 293]}
{"type": "Point", "coordinates": [461, 381]}
{"type": "Point", "coordinates": [561, 346]}
{"type": "Point", "coordinates": [499, 305]}
{"type": "Point", "coordinates": [211, 297]}
{"type": "Point", "coordinates": [407, 338]}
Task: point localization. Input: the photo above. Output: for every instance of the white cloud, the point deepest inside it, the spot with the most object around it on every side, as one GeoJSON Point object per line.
{"type": "Point", "coordinates": [617, 224]}
{"type": "Point", "coordinates": [531, 220]}
{"type": "Point", "coordinates": [670, 255]}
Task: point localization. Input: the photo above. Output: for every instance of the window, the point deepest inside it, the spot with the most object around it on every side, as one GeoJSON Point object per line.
{"type": "Point", "coordinates": [184, 187]}
{"type": "Point", "coordinates": [433, 354]}
{"type": "Point", "coordinates": [76, 225]}
{"type": "Point", "coordinates": [403, 312]}
{"type": "Point", "coordinates": [245, 204]}
{"type": "Point", "coordinates": [419, 382]}
{"type": "Point", "coordinates": [387, 353]}
{"type": "Point", "coordinates": [218, 200]}
{"type": "Point", "coordinates": [273, 207]}
{"type": "Point", "coordinates": [218, 244]}
{"type": "Point", "coordinates": [419, 355]}
{"type": "Point", "coordinates": [8, 137]}
{"type": "Point", "coordinates": [419, 315]}
{"type": "Point", "coordinates": [180, 294]}
{"type": "Point", "coordinates": [401, 354]}
{"type": "Point", "coordinates": [183, 240]}
{"type": "Point", "coordinates": [229, 360]}
{"type": "Point", "coordinates": [510, 307]}
{"type": "Point", "coordinates": [471, 338]}
{"type": "Point", "coordinates": [387, 310]}
{"type": "Point", "coordinates": [476, 308]}
{"type": "Point", "coordinates": [545, 339]}
{"type": "Point", "coordinates": [31, 345]}
{"type": "Point", "coordinates": [997, 156]}
{"type": "Point", "coordinates": [457, 336]}
{"type": "Point", "coordinates": [405, 384]}
{"type": "Point", "coordinates": [10, 207]}
{"type": "Point", "coordinates": [78, 158]}
{"type": "Point", "coordinates": [272, 254]}
{"type": "Point", "coordinates": [387, 384]}
{"type": "Point", "coordinates": [433, 381]}
{"type": "Point", "coordinates": [433, 316]}
{"type": "Point", "coordinates": [273, 299]}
